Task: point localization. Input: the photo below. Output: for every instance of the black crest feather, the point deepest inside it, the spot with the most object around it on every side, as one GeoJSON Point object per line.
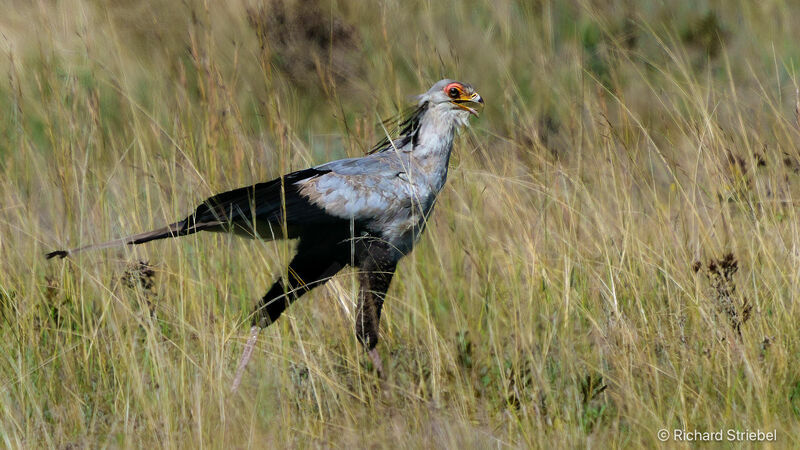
{"type": "Point", "coordinates": [408, 129]}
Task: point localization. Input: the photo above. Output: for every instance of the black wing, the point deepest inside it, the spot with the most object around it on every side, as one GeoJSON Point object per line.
{"type": "Point", "coordinates": [273, 202]}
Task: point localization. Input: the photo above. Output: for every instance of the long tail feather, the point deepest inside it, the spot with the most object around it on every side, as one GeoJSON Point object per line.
{"type": "Point", "coordinates": [172, 230]}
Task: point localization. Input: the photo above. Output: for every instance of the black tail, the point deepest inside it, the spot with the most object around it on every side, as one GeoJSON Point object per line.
{"type": "Point", "coordinates": [273, 202]}
{"type": "Point", "coordinates": [172, 230]}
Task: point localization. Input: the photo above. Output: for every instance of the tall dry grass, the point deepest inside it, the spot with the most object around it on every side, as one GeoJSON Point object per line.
{"type": "Point", "coordinates": [616, 250]}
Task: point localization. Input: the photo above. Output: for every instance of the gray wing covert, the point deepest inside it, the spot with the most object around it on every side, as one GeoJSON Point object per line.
{"type": "Point", "coordinates": [365, 188]}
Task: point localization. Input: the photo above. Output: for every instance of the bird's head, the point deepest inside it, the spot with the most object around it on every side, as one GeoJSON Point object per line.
{"type": "Point", "coordinates": [453, 99]}
{"type": "Point", "coordinates": [442, 110]}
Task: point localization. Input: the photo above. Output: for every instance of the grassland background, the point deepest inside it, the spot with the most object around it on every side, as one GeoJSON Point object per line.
{"type": "Point", "coordinates": [572, 288]}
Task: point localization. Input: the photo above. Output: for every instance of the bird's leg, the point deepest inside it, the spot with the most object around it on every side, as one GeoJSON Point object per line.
{"type": "Point", "coordinates": [375, 276]}
{"type": "Point", "coordinates": [275, 301]}
{"type": "Point", "coordinates": [268, 310]}
{"type": "Point", "coordinates": [246, 354]}
{"type": "Point", "coordinates": [306, 271]}
{"type": "Point", "coordinates": [376, 361]}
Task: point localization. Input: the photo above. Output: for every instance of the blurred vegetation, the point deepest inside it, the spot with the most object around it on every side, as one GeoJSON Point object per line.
{"type": "Point", "coordinates": [615, 251]}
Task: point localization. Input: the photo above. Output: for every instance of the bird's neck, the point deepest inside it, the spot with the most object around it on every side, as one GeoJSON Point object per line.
{"type": "Point", "coordinates": [430, 153]}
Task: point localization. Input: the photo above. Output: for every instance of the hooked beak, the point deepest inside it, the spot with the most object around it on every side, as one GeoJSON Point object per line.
{"type": "Point", "coordinates": [471, 104]}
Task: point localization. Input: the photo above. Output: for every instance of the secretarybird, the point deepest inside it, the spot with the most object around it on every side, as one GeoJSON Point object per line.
{"type": "Point", "coordinates": [367, 211]}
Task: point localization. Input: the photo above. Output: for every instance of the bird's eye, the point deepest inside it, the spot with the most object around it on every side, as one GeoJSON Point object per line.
{"type": "Point", "coordinates": [453, 92]}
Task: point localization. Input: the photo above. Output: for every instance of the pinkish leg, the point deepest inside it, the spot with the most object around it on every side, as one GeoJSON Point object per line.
{"type": "Point", "coordinates": [376, 361]}
{"type": "Point", "coordinates": [246, 354]}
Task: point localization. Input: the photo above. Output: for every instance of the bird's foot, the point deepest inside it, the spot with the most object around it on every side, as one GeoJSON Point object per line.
{"type": "Point", "coordinates": [376, 361]}
{"type": "Point", "coordinates": [246, 354]}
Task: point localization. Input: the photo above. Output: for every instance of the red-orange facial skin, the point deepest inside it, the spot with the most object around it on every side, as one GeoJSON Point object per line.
{"type": "Point", "coordinates": [454, 90]}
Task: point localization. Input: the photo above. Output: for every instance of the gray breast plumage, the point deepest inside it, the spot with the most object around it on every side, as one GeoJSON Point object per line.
{"type": "Point", "coordinates": [391, 192]}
